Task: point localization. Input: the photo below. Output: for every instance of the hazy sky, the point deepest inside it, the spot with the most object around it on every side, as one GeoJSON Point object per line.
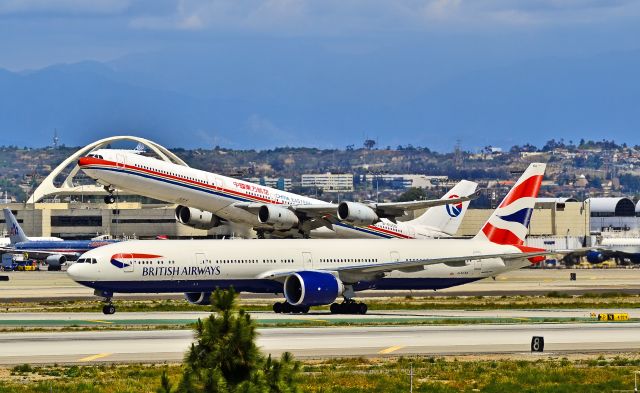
{"type": "Point", "coordinates": [37, 33]}
{"type": "Point", "coordinates": [448, 37]}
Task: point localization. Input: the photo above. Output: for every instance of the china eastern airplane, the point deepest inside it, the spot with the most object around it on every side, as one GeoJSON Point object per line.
{"type": "Point", "coordinates": [312, 272]}
{"type": "Point", "coordinates": [206, 199]}
{"type": "Point", "coordinates": [54, 252]}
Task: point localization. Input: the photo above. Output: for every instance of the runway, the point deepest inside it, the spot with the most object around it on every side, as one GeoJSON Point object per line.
{"type": "Point", "coordinates": [46, 286]}
{"type": "Point", "coordinates": [169, 345]}
{"type": "Point", "coordinates": [61, 319]}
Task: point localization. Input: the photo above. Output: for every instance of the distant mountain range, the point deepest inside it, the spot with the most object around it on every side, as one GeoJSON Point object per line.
{"type": "Point", "coordinates": [268, 97]}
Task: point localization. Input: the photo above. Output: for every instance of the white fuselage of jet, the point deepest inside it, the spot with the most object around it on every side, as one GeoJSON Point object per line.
{"type": "Point", "coordinates": [156, 266]}
{"type": "Point", "coordinates": [217, 194]}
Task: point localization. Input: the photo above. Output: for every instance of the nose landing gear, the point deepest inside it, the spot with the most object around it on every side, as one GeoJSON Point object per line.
{"type": "Point", "coordinates": [109, 199]}
{"type": "Point", "coordinates": [108, 307]}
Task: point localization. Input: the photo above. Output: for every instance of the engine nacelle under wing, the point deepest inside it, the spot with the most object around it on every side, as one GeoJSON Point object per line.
{"type": "Point", "coordinates": [196, 218]}
{"type": "Point", "coordinates": [55, 262]}
{"type": "Point", "coordinates": [311, 288]}
{"type": "Point", "coordinates": [279, 217]}
{"type": "Point", "coordinates": [357, 214]}
{"type": "Point", "coordinates": [199, 298]}
{"type": "Point", "coordinates": [594, 256]}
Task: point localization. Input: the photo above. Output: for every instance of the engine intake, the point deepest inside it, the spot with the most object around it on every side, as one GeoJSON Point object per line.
{"type": "Point", "coordinates": [199, 298]}
{"type": "Point", "coordinates": [309, 288]}
{"type": "Point", "coordinates": [55, 262]}
{"type": "Point", "coordinates": [357, 214]}
{"type": "Point", "coordinates": [279, 217]}
{"type": "Point", "coordinates": [196, 218]}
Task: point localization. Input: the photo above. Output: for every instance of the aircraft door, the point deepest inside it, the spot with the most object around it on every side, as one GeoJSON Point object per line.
{"type": "Point", "coordinates": [477, 263]}
{"type": "Point", "coordinates": [307, 261]}
{"type": "Point", "coordinates": [127, 260]}
{"type": "Point", "coordinates": [120, 160]}
{"type": "Point", "coordinates": [395, 256]}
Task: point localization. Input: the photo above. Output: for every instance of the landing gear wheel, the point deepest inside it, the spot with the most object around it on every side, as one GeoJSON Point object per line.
{"type": "Point", "coordinates": [110, 199]}
{"type": "Point", "coordinates": [277, 308]}
{"type": "Point", "coordinates": [108, 309]}
{"type": "Point", "coordinates": [348, 307]}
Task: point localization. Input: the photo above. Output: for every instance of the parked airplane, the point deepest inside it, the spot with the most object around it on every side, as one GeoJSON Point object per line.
{"type": "Point", "coordinates": [206, 199]}
{"type": "Point", "coordinates": [55, 253]}
{"type": "Point", "coordinates": [620, 248]}
{"type": "Point", "coordinates": [317, 271]}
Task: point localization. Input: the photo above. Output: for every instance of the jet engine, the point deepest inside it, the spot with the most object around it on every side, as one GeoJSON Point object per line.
{"type": "Point", "coordinates": [594, 256]}
{"type": "Point", "coordinates": [199, 298]}
{"type": "Point", "coordinates": [196, 218]}
{"type": "Point", "coordinates": [357, 214]}
{"type": "Point", "coordinates": [55, 262]}
{"type": "Point", "coordinates": [279, 217]}
{"type": "Point", "coordinates": [310, 288]}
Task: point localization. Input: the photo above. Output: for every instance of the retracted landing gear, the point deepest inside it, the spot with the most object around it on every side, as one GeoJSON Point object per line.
{"type": "Point", "coordinates": [349, 306]}
{"type": "Point", "coordinates": [286, 308]}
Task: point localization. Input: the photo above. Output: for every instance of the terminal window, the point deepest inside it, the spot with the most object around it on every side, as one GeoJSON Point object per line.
{"type": "Point", "coordinates": [76, 221]}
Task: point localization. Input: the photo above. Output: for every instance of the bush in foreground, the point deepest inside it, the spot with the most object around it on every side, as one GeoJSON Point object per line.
{"type": "Point", "coordinates": [225, 359]}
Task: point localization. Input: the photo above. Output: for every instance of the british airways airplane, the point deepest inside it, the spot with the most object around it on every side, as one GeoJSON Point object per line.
{"type": "Point", "coordinates": [206, 199]}
{"type": "Point", "coordinates": [54, 252]}
{"type": "Point", "coordinates": [312, 272]}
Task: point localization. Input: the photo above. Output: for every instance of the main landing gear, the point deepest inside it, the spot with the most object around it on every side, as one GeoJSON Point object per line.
{"type": "Point", "coordinates": [286, 308]}
{"type": "Point", "coordinates": [349, 306]}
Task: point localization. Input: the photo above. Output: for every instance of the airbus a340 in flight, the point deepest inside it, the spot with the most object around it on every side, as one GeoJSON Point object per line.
{"type": "Point", "coordinates": [205, 199]}
{"type": "Point", "coordinates": [313, 272]}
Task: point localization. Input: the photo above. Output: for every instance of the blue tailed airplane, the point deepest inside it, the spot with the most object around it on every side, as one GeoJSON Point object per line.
{"type": "Point", "coordinates": [55, 253]}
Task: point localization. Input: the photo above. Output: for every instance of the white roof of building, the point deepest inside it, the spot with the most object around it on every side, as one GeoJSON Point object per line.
{"type": "Point", "coordinates": [607, 205]}
{"type": "Point", "coordinates": [556, 200]}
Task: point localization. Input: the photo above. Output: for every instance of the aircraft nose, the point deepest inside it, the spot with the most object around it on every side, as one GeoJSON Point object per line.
{"type": "Point", "coordinates": [79, 272]}
{"type": "Point", "coordinates": [83, 161]}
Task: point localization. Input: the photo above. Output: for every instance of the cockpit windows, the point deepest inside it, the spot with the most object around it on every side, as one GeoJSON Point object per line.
{"type": "Point", "coordinates": [87, 260]}
{"type": "Point", "coordinates": [95, 156]}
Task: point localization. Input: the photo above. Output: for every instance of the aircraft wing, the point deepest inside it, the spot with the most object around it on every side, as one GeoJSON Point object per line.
{"type": "Point", "coordinates": [38, 254]}
{"type": "Point", "coordinates": [415, 265]}
{"type": "Point", "coordinates": [318, 210]}
{"type": "Point", "coordinates": [453, 261]}
{"type": "Point", "coordinates": [397, 209]}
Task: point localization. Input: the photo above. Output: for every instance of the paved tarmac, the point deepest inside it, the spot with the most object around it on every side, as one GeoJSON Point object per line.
{"type": "Point", "coordinates": [54, 319]}
{"type": "Point", "coordinates": [44, 285]}
{"type": "Point", "coordinates": [169, 345]}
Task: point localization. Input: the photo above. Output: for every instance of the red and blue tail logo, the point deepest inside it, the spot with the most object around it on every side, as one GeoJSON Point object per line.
{"type": "Point", "coordinates": [125, 260]}
{"type": "Point", "coordinates": [510, 222]}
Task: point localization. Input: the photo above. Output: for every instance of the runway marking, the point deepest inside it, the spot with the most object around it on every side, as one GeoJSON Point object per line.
{"type": "Point", "coordinates": [391, 349]}
{"type": "Point", "coordinates": [99, 321]}
{"type": "Point", "coordinates": [317, 320]}
{"type": "Point", "coordinates": [94, 357]}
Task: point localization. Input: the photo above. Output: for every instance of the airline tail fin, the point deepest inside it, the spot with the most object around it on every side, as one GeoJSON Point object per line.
{"type": "Point", "coordinates": [16, 234]}
{"type": "Point", "coordinates": [447, 218]}
{"type": "Point", "coordinates": [509, 223]}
